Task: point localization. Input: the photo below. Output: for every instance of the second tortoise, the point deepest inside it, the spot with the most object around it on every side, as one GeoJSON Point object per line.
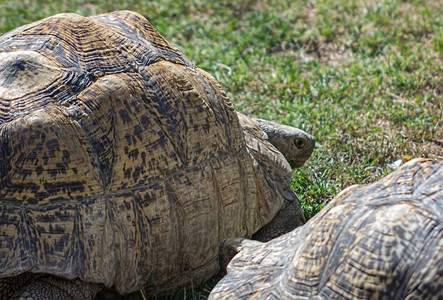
{"type": "Point", "coordinates": [379, 241]}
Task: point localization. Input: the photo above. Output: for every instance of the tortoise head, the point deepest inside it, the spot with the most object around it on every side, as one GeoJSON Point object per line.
{"type": "Point", "coordinates": [295, 144]}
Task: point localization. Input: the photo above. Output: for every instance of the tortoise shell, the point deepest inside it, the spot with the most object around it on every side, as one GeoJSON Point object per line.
{"type": "Point", "coordinates": [379, 241]}
{"type": "Point", "coordinates": [121, 162]}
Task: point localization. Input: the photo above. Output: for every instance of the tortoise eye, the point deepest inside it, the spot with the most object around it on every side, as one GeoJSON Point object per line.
{"type": "Point", "coordinates": [299, 143]}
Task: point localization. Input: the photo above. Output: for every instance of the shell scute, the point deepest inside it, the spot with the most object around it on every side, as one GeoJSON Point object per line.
{"type": "Point", "coordinates": [39, 165]}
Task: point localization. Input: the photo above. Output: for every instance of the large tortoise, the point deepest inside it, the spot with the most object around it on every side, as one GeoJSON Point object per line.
{"type": "Point", "coordinates": [122, 164]}
{"type": "Point", "coordinates": [379, 241]}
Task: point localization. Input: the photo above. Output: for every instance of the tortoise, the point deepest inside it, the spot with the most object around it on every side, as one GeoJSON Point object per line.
{"type": "Point", "coordinates": [124, 165]}
{"type": "Point", "coordinates": [378, 241]}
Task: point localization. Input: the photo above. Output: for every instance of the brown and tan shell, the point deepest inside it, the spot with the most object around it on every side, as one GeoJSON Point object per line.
{"type": "Point", "coordinates": [121, 162]}
{"type": "Point", "coordinates": [379, 241]}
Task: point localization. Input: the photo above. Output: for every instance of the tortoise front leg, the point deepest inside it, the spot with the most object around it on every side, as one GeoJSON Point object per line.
{"type": "Point", "coordinates": [289, 217]}
{"type": "Point", "coordinates": [230, 247]}
{"type": "Point", "coordinates": [42, 287]}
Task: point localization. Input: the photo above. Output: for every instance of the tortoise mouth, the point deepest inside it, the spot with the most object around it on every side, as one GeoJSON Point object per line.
{"type": "Point", "coordinates": [300, 160]}
{"type": "Point", "coordinates": [297, 163]}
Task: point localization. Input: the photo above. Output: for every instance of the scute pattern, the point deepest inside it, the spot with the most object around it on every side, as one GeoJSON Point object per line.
{"type": "Point", "coordinates": [379, 241]}
{"type": "Point", "coordinates": [108, 172]}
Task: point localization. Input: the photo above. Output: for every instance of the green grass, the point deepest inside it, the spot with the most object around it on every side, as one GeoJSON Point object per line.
{"type": "Point", "coordinates": [363, 77]}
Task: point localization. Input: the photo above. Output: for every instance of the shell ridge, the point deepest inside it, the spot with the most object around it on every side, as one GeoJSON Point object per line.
{"type": "Point", "coordinates": [218, 199]}
{"type": "Point", "coordinates": [80, 257]}
{"type": "Point", "coordinates": [211, 87]}
{"type": "Point", "coordinates": [249, 212]}
{"type": "Point", "coordinates": [96, 157]}
{"type": "Point", "coordinates": [109, 245]}
{"type": "Point", "coordinates": [32, 251]}
{"type": "Point", "coordinates": [143, 229]}
{"type": "Point", "coordinates": [180, 224]}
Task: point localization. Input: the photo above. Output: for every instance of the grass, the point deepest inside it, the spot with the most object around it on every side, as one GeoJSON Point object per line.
{"type": "Point", "coordinates": [363, 77]}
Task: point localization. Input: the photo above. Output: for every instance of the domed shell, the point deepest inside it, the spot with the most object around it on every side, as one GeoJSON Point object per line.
{"type": "Point", "coordinates": [121, 162]}
{"type": "Point", "coordinates": [379, 241]}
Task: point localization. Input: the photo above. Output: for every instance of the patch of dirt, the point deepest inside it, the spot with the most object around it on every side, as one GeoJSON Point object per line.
{"type": "Point", "coordinates": [326, 52]}
{"type": "Point", "coordinates": [323, 50]}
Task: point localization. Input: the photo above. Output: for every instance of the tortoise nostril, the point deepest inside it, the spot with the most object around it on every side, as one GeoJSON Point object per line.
{"type": "Point", "coordinates": [300, 143]}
